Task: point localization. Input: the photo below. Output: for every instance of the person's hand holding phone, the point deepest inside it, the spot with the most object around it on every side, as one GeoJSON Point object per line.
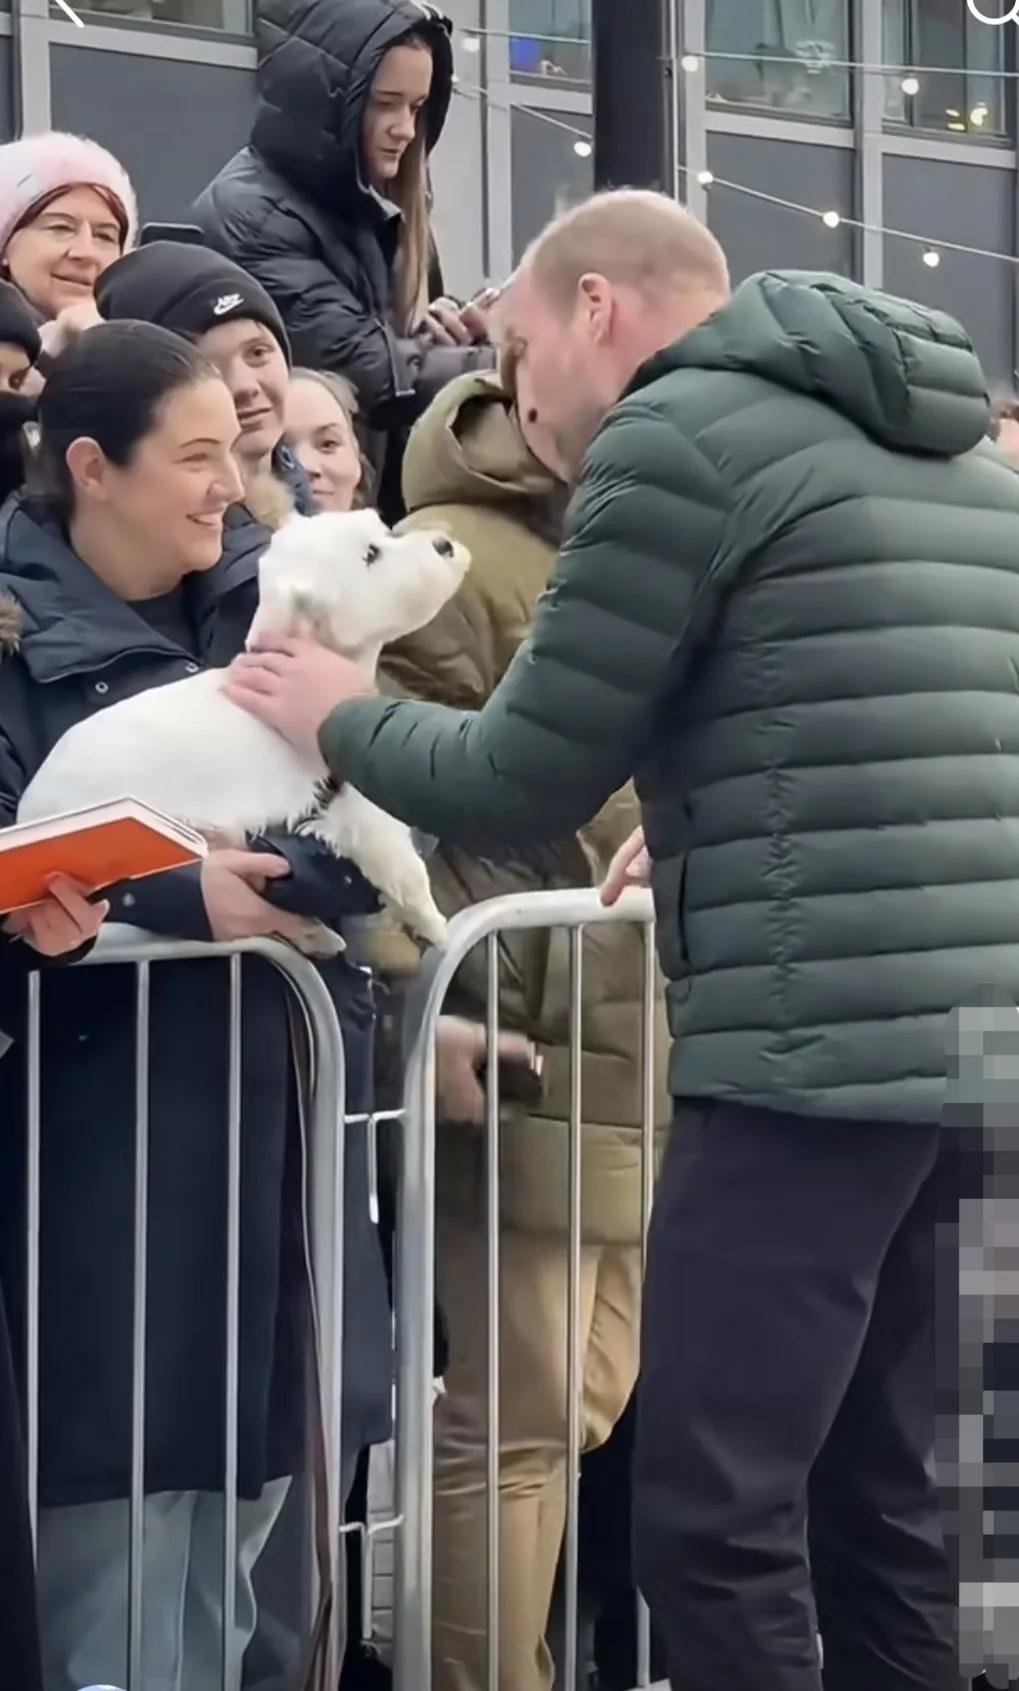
{"type": "Point", "coordinates": [461, 1049]}
{"type": "Point", "coordinates": [449, 324]}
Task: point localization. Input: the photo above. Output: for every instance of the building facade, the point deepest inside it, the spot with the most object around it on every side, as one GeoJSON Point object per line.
{"type": "Point", "coordinates": [899, 114]}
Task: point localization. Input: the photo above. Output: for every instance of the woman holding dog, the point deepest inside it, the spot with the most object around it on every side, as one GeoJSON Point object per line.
{"type": "Point", "coordinates": [113, 567]}
{"type": "Point", "coordinates": [328, 206]}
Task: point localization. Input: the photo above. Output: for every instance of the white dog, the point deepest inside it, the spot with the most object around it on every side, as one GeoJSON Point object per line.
{"type": "Point", "coordinates": [189, 751]}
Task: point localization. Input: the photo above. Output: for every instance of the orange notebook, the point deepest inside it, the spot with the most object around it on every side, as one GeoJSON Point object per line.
{"type": "Point", "coordinates": [98, 846]}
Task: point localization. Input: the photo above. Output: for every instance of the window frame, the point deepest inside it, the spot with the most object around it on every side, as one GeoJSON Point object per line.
{"type": "Point", "coordinates": [974, 137]}
{"type": "Point", "coordinates": [767, 113]}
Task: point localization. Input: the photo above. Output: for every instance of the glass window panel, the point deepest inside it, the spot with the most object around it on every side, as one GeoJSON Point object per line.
{"type": "Point", "coordinates": [954, 57]}
{"type": "Point", "coordinates": [231, 16]}
{"type": "Point", "coordinates": [548, 173]}
{"type": "Point", "coordinates": [550, 41]}
{"type": "Point", "coordinates": [781, 54]}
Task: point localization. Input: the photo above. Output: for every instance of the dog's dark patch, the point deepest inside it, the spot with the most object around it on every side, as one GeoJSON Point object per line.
{"type": "Point", "coordinates": [327, 789]}
{"type": "Point", "coordinates": [11, 624]}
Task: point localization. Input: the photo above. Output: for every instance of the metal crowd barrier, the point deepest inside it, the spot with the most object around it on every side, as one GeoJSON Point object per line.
{"type": "Point", "coordinates": [415, 1277]}
{"type": "Point", "coordinates": [324, 1153]}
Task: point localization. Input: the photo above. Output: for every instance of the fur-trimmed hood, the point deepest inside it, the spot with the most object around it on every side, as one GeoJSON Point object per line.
{"type": "Point", "coordinates": [11, 623]}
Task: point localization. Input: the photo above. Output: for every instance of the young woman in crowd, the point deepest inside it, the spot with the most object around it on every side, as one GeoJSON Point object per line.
{"type": "Point", "coordinates": [113, 566]}
{"type": "Point", "coordinates": [321, 434]}
{"type": "Point", "coordinates": [236, 326]}
{"type": "Point", "coordinates": [329, 206]}
{"type": "Point", "coordinates": [67, 212]}
{"type": "Point", "coordinates": [482, 469]}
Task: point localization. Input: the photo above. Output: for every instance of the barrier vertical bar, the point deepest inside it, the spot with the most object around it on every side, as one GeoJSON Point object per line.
{"type": "Point", "coordinates": [326, 1163]}
{"type": "Point", "coordinates": [415, 1303]}
{"type": "Point", "coordinates": [32, 1202]}
{"type": "Point", "coordinates": [136, 1546]}
{"type": "Point", "coordinates": [649, 994]}
{"type": "Point", "coordinates": [573, 1368]}
{"type": "Point", "coordinates": [231, 1666]}
{"type": "Point", "coordinates": [492, 1240]}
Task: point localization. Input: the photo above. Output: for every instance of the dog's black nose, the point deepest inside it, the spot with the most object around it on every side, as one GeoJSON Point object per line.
{"type": "Point", "coordinates": [444, 548]}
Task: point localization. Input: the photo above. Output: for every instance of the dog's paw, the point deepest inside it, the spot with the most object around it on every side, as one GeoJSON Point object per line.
{"type": "Point", "coordinates": [314, 939]}
{"type": "Point", "coordinates": [424, 920]}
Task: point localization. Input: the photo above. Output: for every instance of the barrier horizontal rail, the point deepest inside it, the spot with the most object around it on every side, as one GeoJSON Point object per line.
{"type": "Point", "coordinates": [415, 1270]}
{"type": "Point", "coordinates": [324, 1173]}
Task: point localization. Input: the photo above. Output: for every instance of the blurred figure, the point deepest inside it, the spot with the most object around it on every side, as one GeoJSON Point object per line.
{"type": "Point", "coordinates": [63, 926]}
{"type": "Point", "coordinates": [320, 433]}
{"type": "Point", "coordinates": [482, 469]}
{"type": "Point", "coordinates": [67, 211]}
{"type": "Point", "coordinates": [1004, 429]}
{"type": "Point", "coordinates": [328, 206]}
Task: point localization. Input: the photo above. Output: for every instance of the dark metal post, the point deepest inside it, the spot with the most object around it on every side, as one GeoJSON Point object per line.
{"type": "Point", "coordinates": [632, 94]}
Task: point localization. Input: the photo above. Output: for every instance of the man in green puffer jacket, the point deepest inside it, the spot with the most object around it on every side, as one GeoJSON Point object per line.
{"type": "Point", "coordinates": [788, 601]}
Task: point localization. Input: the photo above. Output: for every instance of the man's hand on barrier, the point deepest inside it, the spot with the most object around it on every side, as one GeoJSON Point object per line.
{"type": "Point", "coordinates": [61, 923]}
{"type": "Point", "coordinates": [232, 886]}
{"type": "Point", "coordinates": [460, 1049]}
{"type": "Point", "coordinates": [631, 867]}
{"type": "Point", "coordinates": [293, 685]}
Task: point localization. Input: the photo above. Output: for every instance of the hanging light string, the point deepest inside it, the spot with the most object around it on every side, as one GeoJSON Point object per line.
{"type": "Point", "coordinates": [831, 218]}
{"type": "Point", "coordinates": [473, 37]}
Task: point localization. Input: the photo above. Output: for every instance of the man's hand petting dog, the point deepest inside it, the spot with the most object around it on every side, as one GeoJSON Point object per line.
{"type": "Point", "coordinates": [62, 922]}
{"type": "Point", "coordinates": [293, 685]}
{"type": "Point", "coordinates": [233, 883]}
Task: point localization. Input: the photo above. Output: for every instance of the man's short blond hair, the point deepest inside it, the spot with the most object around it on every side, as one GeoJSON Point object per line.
{"type": "Point", "coordinates": [632, 237]}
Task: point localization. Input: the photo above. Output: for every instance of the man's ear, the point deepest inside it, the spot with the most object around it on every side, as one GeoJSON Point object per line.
{"type": "Point", "coordinates": [88, 466]}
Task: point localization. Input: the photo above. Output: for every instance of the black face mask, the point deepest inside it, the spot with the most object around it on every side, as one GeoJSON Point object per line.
{"type": "Point", "coordinates": [15, 412]}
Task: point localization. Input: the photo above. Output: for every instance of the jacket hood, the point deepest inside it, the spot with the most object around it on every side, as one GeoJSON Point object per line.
{"type": "Point", "coordinates": [317, 59]}
{"type": "Point", "coordinates": [468, 450]}
{"type": "Point", "coordinates": [905, 374]}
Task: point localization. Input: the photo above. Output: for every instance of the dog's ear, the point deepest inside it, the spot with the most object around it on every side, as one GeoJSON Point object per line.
{"type": "Point", "coordinates": [11, 624]}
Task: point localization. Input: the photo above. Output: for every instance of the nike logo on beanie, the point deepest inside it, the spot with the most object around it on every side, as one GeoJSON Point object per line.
{"type": "Point", "coordinates": [227, 302]}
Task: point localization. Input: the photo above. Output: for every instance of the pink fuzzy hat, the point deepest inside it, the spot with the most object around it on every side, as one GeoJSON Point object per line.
{"type": "Point", "coordinates": [39, 166]}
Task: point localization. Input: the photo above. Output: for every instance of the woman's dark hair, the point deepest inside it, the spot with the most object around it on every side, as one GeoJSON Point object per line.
{"type": "Point", "coordinates": [107, 387]}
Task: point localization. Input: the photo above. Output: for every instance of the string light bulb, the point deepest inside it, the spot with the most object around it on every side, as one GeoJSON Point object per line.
{"type": "Point", "coordinates": [690, 62]}
{"type": "Point", "coordinates": [979, 115]}
{"type": "Point", "coordinates": [911, 85]}
{"type": "Point", "coordinates": [583, 149]}
{"type": "Point", "coordinates": [831, 219]}
{"type": "Point", "coordinates": [705, 178]}
{"type": "Point", "coordinates": [931, 257]}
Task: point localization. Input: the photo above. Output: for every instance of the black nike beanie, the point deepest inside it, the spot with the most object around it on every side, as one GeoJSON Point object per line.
{"type": "Point", "coordinates": [185, 288]}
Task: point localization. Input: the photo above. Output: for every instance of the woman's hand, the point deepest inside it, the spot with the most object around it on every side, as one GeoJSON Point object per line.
{"type": "Point", "coordinates": [460, 1049]}
{"type": "Point", "coordinates": [233, 883]}
{"type": "Point", "coordinates": [62, 922]}
{"type": "Point", "coordinates": [443, 324]}
{"type": "Point", "coordinates": [631, 867]}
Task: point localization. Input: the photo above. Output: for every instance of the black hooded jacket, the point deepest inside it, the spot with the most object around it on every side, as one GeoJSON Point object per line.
{"type": "Point", "coordinates": [293, 207]}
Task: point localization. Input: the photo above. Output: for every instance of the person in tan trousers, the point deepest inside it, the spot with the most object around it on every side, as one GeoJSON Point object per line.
{"type": "Point", "coordinates": [474, 466]}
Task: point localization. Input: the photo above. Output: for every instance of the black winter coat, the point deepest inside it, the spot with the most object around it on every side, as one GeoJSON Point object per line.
{"type": "Point", "coordinates": [19, 1627]}
{"type": "Point", "coordinates": [788, 600]}
{"type": "Point", "coordinates": [82, 649]}
{"type": "Point", "coordinates": [294, 210]}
